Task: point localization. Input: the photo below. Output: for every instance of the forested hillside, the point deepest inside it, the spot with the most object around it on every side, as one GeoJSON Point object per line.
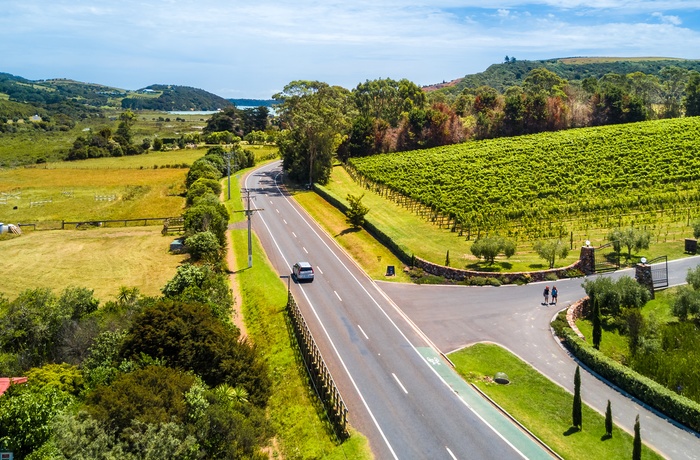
{"type": "Point", "coordinates": [173, 97]}
{"type": "Point", "coordinates": [513, 72]}
{"type": "Point", "coordinates": [50, 93]}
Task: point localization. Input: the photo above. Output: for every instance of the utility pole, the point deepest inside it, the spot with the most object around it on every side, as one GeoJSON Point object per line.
{"type": "Point", "coordinates": [228, 173]}
{"type": "Point", "coordinates": [228, 170]}
{"type": "Point", "coordinates": [249, 212]}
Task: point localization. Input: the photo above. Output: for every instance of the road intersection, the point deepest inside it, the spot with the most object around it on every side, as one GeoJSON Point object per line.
{"type": "Point", "coordinates": [383, 343]}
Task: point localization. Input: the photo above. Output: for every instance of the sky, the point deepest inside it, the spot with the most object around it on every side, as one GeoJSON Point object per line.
{"type": "Point", "coordinates": [253, 48]}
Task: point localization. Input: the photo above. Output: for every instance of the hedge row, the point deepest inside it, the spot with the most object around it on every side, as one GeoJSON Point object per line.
{"type": "Point", "coordinates": [400, 251]}
{"type": "Point", "coordinates": [675, 406]}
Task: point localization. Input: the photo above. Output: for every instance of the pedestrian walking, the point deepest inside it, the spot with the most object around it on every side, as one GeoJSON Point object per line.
{"type": "Point", "coordinates": [546, 295]}
{"type": "Point", "coordinates": [555, 293]}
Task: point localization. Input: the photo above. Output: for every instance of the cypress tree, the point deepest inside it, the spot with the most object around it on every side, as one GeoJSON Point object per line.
{"type": "Point", "coordinates": [447, 259]}
{"type": "Point", "coordinates": [637, 446]}
{"type": "Point", "coordinates": [608, 421]}
{"type": "Point", "coordinates": [576, 417]}
{"type": "Point", "coordinates": [597, 327]}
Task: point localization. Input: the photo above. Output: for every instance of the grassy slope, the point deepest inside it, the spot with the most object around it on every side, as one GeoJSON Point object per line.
{"type": "Point", "coordinates": [541, 405]}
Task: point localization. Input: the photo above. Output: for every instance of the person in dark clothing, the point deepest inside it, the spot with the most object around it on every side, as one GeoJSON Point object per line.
{"type": "Point", "coordinates": [546, 295]}
{"type": "Point", "coordinates": [555, 294]}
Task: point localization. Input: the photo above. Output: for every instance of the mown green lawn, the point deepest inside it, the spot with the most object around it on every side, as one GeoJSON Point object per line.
{"type": "Point", "coordinates": [542, 406]}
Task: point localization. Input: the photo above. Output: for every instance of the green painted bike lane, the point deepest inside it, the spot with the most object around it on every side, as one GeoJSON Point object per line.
{"type": "Point", "coordinates": [522, 442]}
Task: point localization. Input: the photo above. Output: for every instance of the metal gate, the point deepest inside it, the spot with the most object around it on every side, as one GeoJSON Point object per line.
{"type": "Point", "coordinates": [659, 272]}
{"type": "Point", "coordinates": [606, 258]}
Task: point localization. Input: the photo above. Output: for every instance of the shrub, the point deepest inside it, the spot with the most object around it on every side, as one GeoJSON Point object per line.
{"type": "Point", "coordinates": [661, 398]}
{"type": "Point", "coordinates": [201, 187]}
{"type": "Point", "coordinates": [207, 215]}
{"type": "Point", "coordinates": [154, 394]}
{"type": "Point", "coordinates": [204, 246]}
{"type": "Point", "coordinates": [201, 169]}
{"type": "Point", "coordinates": [189, 337]}
{"type": "Point", "coordinates": [488, 248]}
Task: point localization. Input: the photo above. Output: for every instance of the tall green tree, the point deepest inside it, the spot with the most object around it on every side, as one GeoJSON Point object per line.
{"type": "Point", "coordinates": [674, 85]}
{"type": "Point", "coordinates": [316, 117]}
{"type": "Point", "coordinates": [514, 111]}
{"type": "Point", "coordinates": [229, 119]}
{"type": "Point", "coordinates": [576, 414]}
{"type": "Point", "coordinates": [637, 443]}
{"type": "Point", "coordinates": [691, 102]}
{"type": "Point", "coordinates": [124, 135]}
{"type": "Point", "coordinates": [597, 325]}
{"type": "Point", "coordinates": [388, 99]}
{"type": "Point", "coordinates": [608, 421]}
{"type": "Point", "coordinates": [551, 250]}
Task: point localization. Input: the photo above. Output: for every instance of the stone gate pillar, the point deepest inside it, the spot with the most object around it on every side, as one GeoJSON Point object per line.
{"type": "Point", "coordinates": [587, 259]}
{"type": "Point", "coordinates": [642, 273]}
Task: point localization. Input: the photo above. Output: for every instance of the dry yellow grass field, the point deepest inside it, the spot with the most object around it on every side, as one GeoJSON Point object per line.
{"type": "Point", "coordinates": [102, 259]}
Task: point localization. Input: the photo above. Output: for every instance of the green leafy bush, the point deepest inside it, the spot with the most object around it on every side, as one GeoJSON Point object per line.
{"type": "Point", "coordinates": [661, 398]}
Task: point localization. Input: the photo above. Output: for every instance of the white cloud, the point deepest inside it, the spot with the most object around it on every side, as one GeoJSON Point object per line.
{"type": "Point", "coordinates": [242, 48]}
{"type": "Point", "coordinates": [675, 20]}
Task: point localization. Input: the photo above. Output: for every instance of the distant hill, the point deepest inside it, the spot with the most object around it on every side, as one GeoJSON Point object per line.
{"type": "Point", "coordinates": [254, 102]}
{"type": "Point", "coordinates": [45, 93]}
{"type": "Point", "coordinates": [173, 97]}
{"type": "Point", "coordinates": [507, 74]}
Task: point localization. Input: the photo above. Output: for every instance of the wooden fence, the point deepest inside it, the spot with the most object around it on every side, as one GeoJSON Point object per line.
{"type": "Point", "coordinates": [142, 222]}
{"type": "Point", "coordinates": [320, 376]}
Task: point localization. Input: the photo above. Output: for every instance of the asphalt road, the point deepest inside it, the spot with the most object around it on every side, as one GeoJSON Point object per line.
{"type": "Point", "coordinates": [380, 341]}
{"type": "Point", "coordinates": [399, 392]}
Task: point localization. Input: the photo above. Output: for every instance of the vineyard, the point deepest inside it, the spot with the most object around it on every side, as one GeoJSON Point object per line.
{"type": "Point", "coordinates": [549, 184]}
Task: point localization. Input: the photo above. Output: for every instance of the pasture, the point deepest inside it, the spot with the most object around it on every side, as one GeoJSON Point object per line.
{"type": "Point", "coordinates": [102, 259]}
{"type": "Point", "coordinates": [48, 196]}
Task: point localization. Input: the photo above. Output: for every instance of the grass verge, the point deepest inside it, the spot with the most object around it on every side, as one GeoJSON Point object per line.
{"type": "Point", "coordinates": [542, 406]}
{"type": "Point", "coordinates": [294, 410]}
{"type": "Point", "coordinates": [371, 255]}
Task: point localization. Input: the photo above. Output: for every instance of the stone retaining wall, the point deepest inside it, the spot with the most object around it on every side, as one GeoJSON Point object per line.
{"type": "Point", "coordinates": [578, 309]}
{"type": "Point", "coordinates": [459, 274]}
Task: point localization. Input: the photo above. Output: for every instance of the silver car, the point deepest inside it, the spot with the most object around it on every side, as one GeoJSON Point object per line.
{"type": "Point", "coordinates": [303, 271]}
